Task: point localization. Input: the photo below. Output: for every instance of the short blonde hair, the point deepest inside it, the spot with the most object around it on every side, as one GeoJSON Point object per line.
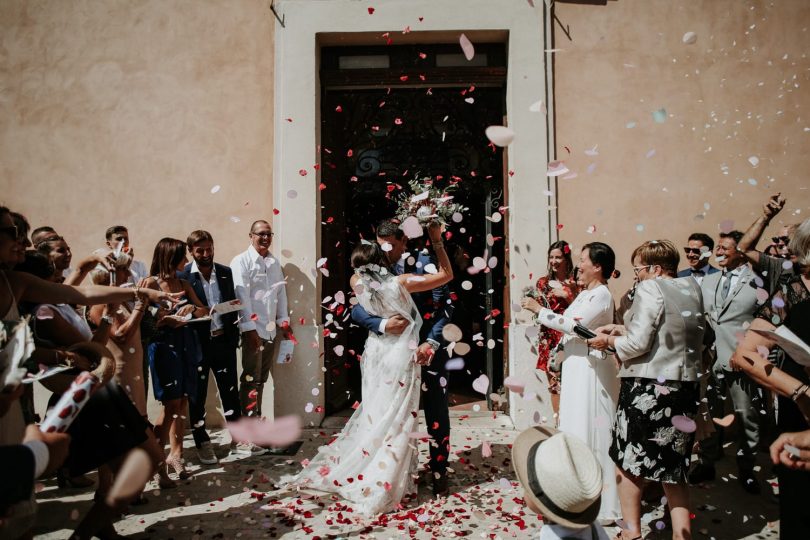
{"type": "Point", "coordinates": [800, 243]}
{"type": "Point", "coordinates": [658, 252]}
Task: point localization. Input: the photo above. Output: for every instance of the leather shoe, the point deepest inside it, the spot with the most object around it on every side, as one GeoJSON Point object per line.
{"type": "Point", "coordinates": [749, 482]}
{"type": "Point", "coordinates": [701, 473]}
{"type": "Point", "coordinates": [440, 488]}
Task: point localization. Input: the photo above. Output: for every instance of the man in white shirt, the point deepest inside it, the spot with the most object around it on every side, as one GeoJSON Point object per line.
{"type": "Point", "coordinates": [118, 241]}
{"type": "Point", "coordinates": [259, 285]}
{"type": "Point", "coordinates": [730, 302]}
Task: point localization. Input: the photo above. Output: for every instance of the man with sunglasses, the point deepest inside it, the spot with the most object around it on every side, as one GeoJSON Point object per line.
{"type": "Point", "coordinates": [698, 250]}
{"type": "Point", "coordinates": [730, 302]}
{"type": "Point", "coordinates": [259, 285]}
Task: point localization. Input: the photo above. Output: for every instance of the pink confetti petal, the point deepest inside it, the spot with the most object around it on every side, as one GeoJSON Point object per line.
{"type": "Point", "coordinates": [281, 432]}
{"type": "Point", "coordinates": [683, 423]}
{"type": "Point", "coordinates": [500, 135]}
{"type": "Point", "coordinates": [486, 450]}
{"type": "Point", "coordinates": [481, 384]}
{"type": "Point", "coordinates": [467, 47]}
{"type": "Point", "coordinates": [515, 385]}
{"type": "Point", "coordinates": [411, 227]}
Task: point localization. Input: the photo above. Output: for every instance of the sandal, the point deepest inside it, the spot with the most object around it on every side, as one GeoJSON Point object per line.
{"type": "Point", "coordinates": [179, 467]}
{"type": "Point", "coordinates": [624, 534]}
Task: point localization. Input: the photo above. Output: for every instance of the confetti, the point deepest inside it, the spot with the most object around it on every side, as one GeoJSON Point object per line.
{"type": "Point", "coordinates": [514, 384]}
{"type": "Point", "coordinates": [725, 421]}
{"type": "Point", "coordinates": [467, 47]}
{"type": "Point", "coordinates": [538, 107]}
{"type": "Point", "coordinates": [281, 432]}
{"type": "Point", "coordinates": [481, 384]}
{"type": "Point", "coordinates": [753, 160]}
{"type": "Point", "coordinates": [660, 116]}
{"type": "Point", "coordinates": [500, 135]}
{"type": "Point", "coordinates": [684, 423]}
{"type": "Point", "coordinates": [556, 168]}
{"type": "Point", "coordinates": [215, 189]}
{"type": "Point", "coordinates": [689, 38]}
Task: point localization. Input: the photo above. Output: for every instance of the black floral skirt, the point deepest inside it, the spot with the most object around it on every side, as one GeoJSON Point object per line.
{"type": "Point", "coordinates": [645, 442]}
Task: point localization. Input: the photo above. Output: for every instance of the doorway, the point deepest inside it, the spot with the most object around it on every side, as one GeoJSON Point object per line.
{"type": "Point", "coordinates": [389, 115]}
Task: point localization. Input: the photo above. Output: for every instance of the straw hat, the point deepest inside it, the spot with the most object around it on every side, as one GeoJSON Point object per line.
{"type": "Point", "coordinates": [559, 474]}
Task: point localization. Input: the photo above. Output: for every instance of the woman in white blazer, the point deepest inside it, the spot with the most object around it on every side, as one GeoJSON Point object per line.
{"type": "Point", "coordinates": [658, 348]}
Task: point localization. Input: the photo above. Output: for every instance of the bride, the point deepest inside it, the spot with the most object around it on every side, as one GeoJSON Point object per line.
{"type": "Point", "coordinates": [372, 461]}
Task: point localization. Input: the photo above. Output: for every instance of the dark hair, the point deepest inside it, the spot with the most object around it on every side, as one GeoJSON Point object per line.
{"type": "Point", "coordinates": [115, 229]}
{"type": "Point", "coordinates": [368, 253]}
{"type": "Point", "coordinates": [701, 237]}
{"type": "Point", "coordinates": [198, 236]}
{"type": "Point", "coordinates": [602, 255]}
{"type": "Point", "coordinates": [44, 245]}
{"type": "Point", "coordinates": [563, 246]}
{"type": "Point", "coordinates": [389, 228]}
{"type": "Point", "coordinates": [658, 252]}
{"type": "Point", "coordinates": [734, 235]}
{"type": "Point", "coordinates": [167, 256]}
{"type": "Point", "coordinates": [37, 264]}
{"type": "Point", "coordinates": [46, 229]}
{"type": "Point", "coordinates": [22, 224]}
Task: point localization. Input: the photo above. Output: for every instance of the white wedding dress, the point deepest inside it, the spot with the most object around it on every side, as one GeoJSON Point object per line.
{"type": "Point", "coordinates": [590, 390]}
{"type": "Point", "coordinates": [372, 462]}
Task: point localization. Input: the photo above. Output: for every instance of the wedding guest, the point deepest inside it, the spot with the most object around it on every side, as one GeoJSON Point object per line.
{"type": "Point", "coordinates": [22, 230]}
{"type": "Point", "coordinates": [730, 302]}
{"type": "Point", "coordinates": [41, 233]}
{"type": "Point", "coordinates": [555, 291]}
{"type": "Point", "coordinates": [124, 321]}
{"type": "Point", "coordinates": [788, 306]}
{"type": "Point", "coordinates": [659, 350]}
{"type": "Point", "coordinates": [561, 480]}
{"type": "Point", "coordinates": [117, 238]}
{"type": "Point", "coordinates": [174, 352]}
{"type": "Point", "coordinates": [589, 384]}
{"type": "Point", "coordinates": [57, 249]}
{"type": "Point", "coordinates": [213, 283]}
{"type": "Point", "coordinates": [698, 250]}
{"type": "Point", "coordinates": [259, 284]}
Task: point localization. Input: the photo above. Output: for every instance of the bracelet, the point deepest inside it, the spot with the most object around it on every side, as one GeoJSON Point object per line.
{"type": "Point", "coordinates": [799, 391]}
{"type": "Point", "coordinates": [137, 291]}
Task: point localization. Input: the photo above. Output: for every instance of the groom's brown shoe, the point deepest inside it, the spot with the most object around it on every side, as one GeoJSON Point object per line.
{"type": "Point", "coordinates": [440, 488]}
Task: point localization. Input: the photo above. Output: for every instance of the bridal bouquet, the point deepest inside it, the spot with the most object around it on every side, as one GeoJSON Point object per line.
{"type": "Point", "coordinates": [427, 202]}
{"type": "Point", "coordinates": [16, 346]}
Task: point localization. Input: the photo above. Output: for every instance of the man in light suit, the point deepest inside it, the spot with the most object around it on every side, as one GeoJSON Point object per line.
{"type": "Point", "coordinates": [698, 250]}
{"type": "Point", "coordinates": [436, 310]}
{"type": "Point", "coordinates": [730, 301]}
{"type": "Point", "coordinates": [213, 284]}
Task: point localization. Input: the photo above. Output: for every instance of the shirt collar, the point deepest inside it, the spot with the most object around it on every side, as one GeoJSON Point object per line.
{"type": "Point", "coordinates": [255, 256]}
{"type": "Point", "coordinates": [196, 269]}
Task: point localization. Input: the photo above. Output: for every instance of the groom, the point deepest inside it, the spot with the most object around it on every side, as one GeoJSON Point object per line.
{"type": "Point", "coordinates": [436, 309]}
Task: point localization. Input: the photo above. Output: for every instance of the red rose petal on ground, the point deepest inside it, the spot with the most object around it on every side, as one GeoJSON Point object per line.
{"type": "Point", "coordinates": [371, 11]}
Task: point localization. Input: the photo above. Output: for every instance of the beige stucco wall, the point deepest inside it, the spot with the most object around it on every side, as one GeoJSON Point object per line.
{"type": "Point", "coordinates": [739, 91]}
{"type": "Point", "coordinates": [131, 111]}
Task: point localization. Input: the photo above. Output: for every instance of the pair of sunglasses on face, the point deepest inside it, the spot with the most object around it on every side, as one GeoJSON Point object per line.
{"type": "Point", "coordinates": [781, 239]}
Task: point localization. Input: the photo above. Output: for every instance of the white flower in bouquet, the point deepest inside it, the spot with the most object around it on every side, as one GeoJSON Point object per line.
{"type": "Point", "coordinates": [426, 202]}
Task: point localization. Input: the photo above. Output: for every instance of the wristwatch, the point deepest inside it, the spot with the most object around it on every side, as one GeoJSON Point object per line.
{"type": "Point", "coordinates": [108, 319]}
{"type": "Point", "coordinates": [433, 344]}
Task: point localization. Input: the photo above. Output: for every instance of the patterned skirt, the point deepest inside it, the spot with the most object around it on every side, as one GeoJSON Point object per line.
{"type": "Point", "coordinates": [645, 442]}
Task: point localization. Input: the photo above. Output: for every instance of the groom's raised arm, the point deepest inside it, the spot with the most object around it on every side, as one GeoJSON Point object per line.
{"type": "Point", "coordinates": [372, 323]}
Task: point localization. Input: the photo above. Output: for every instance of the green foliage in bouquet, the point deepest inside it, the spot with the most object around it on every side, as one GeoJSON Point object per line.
{"type": "Point", "coordinates": [427, 202]}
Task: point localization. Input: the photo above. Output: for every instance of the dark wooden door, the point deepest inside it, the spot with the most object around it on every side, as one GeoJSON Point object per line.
{"type": "Point", "coordinates": [375, 139]}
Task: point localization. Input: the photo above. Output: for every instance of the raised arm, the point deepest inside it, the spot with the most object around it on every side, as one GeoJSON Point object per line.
{"type": "Point", "coordinates": [105, 259]}
{"type": "Point", "coordinates": [427, 282]}
{"type": "Point", "coordinates": [748, 242]}
{"type": "Point", "coordinates": [30, 288]}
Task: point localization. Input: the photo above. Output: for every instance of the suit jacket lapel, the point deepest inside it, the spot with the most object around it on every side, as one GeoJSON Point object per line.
{"type": "Point", "coordinates": [196, 284]}
{"type": "Point", "coordinates": [742, 281]}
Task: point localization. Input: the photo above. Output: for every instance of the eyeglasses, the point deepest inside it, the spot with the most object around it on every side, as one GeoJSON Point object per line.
{"type": "Point", "coordinates": [11, 231]}
{"type": "Point", "coordinates": [637, 269]}
{"type": "Point", "coordinates": [688, 250]}
{"type": "Point", "coordinates": [264, 234]}
{"type": "Point", "coordinates": [781, 239]}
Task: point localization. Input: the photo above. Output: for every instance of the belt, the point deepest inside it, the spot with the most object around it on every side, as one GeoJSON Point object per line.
{"type": "Point", "coordinates": [217, 333]}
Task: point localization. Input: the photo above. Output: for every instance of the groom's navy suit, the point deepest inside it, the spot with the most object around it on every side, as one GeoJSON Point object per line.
{"type": "Point", "coordinates": [436, 308]}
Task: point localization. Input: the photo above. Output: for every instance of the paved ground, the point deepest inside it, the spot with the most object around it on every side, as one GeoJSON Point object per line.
{"type": "Point", "coordinates": [232, 500]}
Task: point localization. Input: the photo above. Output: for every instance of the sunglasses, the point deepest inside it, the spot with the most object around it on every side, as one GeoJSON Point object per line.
{"type": "Point", "coordinates": [11, 231]}
{"type": "Point", "coordinates": [780, 239]}
{"type": "Point", "coordinates": [264, 234]}
{"type": "Point", "coordinates": [689, 250]}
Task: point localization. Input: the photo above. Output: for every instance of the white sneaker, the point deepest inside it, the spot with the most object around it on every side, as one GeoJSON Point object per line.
{"type": "Point", "coordinates": [248, 449]}
{"type": "Point", "coordinates": [206, 455]}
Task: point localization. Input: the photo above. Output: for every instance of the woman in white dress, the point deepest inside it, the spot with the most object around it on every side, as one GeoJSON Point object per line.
{"type": "Point", "coordinates": [372, 462]}
{"type": "Point", "coordinates": [590, 387]}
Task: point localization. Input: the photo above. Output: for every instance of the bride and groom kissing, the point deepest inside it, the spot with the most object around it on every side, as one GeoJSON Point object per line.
{"type": "Point", "coordinates": [404, 304]}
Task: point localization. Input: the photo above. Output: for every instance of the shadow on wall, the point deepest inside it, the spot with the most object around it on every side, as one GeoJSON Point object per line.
{"type": "Point", "coordinates": [301, 381]}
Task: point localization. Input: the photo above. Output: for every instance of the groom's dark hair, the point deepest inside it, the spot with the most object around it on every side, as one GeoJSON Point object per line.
{"type": "Point", "coordinates": [389, 228]}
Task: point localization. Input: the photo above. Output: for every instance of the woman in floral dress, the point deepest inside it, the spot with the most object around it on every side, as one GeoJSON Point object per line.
{"type": "Point", "coordinates": [554, 291]}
